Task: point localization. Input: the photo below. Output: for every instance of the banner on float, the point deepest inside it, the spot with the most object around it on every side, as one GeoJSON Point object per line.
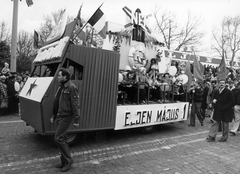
{"type": "Point", "coordinates": [133, 116]}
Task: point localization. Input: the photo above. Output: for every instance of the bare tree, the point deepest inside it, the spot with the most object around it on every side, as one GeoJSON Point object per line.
{"type": "Point", "coordinates": [46, 28]}
{"type": "Point", "coordinates": [50, 22]}
{"type": "Point", "coordinates": [25, 51]}
{"type": "Point", "coordinates": [220, 41]}
{"type": "Point", "coordinates": [4, 32]}
{"type": "Point", "coordinates": [188, 35]}
{"type": "Point", "coordinates": [227, 42]}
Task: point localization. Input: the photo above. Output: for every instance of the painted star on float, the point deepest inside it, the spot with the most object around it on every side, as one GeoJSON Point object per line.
{"type": "Point", "coordinates": [33, 85]}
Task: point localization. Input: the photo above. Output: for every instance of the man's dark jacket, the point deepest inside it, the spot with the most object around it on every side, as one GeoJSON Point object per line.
{"type": "Point", "coordinates": [196, 97]}
{"type": "Point", "coordinates": [223, 110]}
{"type": "Point", "coordinates": [68, 102]}
{"type": "Point", "coordinates": [236, 95]}
{"type": "Point", "coordinates": [204, 98]}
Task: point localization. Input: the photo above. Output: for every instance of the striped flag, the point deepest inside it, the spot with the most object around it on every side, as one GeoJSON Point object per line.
{"type": "Point", "coordinates": [198, 69]}
{"type": "Point", "coordinates": [98, 22]}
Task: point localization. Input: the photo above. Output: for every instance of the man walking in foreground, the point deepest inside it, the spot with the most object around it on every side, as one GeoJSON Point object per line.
{"type": "Point", "coordinates": [65, 111]}
{"type": "Point", "coordinates": [223, 111]}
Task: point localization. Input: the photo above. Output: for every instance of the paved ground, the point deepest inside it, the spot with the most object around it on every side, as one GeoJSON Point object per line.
{"type": "Point", "coordinates": [171, 149]}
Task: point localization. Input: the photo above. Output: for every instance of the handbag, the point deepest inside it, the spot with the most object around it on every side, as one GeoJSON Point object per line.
{"type": "Point", "coordinates": [4, 104]}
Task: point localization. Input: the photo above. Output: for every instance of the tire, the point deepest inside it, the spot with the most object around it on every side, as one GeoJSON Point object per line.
{"type": "Point", "coordinates": [148, 129]}
{"type": "Point", "coordinates": [71, 138]}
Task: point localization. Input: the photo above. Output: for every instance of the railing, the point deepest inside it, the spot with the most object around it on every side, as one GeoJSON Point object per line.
{"type": "Point", "coordinates": [165, 91]}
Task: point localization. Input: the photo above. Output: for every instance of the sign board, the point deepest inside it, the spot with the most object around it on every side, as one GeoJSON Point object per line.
{"type": "Point", "coordinates": [132, 116]}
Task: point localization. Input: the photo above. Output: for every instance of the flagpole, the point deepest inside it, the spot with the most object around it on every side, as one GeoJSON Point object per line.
{"type": "Point", "coordinates": [92, 37]}
{"type": "Point", "coordinates": [14, 36]}
{"type": "Point", "coordinates": [78, 31]}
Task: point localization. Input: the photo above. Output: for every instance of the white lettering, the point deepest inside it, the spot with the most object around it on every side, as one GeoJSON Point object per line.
{"type": "Point", "coordinates": [209, 59]}
{"type": "Point", "coordinates": [184, 56]}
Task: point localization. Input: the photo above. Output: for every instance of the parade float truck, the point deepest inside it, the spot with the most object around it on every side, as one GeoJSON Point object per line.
{"type": "Point", "coordinates": [95, 72]}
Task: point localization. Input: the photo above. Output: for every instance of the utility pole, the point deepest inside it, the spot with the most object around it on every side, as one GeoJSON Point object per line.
{"type": "Point", "coordinates": [14, 36]}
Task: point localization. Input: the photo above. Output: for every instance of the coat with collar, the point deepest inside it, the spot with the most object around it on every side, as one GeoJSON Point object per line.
{"type": "Point", "coordinates": [223, 110]}
{"type": "Point", "coordinates": [68, 101]}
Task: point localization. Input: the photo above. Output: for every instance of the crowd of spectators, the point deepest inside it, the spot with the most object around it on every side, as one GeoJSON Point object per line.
{"type": "Point", "coordinates": [11, 84]}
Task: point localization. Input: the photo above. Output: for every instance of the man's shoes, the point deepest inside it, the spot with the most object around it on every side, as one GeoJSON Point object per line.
{"type": "Point", "coordinates": [222, 140]}
{"type": "Point", "coordinates": [58, 166]}
{"type": "Point", "coordinates": [232, 133]}
{"type": "Point", "coordinates": [191, 125]}
{"type": "Point", "coordinates": [210, 139]}
{"type": "Point", "coordinates": [67, 167]}
{"type": "Point", "coordinates": [202, 124]}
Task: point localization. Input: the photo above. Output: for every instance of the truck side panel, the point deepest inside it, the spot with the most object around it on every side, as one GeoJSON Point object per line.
{"type": "Point", "coordinates": [98, 88]}
{"type": "Point", "coordinates": [32, 116]}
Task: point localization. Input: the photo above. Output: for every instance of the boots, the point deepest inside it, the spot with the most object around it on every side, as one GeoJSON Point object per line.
{"type": "Point", "coordinates": [67, 167]}
{"type": "Point", "coordinates": [58, 166]}
{"type": "Point", "coordinates": [61, 164]}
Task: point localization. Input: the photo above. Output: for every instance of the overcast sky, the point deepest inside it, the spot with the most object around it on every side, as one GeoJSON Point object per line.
{"type": "Point", "coordinates": [30, 18]}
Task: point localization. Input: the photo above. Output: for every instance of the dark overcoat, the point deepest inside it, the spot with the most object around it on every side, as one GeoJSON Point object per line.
{"type": "Point", "coordinates": [204, 98]}
{"type": "Point", "coordinates": [223, 110]}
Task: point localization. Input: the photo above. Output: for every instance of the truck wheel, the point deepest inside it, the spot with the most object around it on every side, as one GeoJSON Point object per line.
{"type": "Point", "coordinates": [147, 129]}
{"type": "Point", "coordinates": [71, 138]}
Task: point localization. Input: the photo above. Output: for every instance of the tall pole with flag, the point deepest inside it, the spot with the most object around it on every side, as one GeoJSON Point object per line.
{"type": "Point", "coordinates": [14, 36]}
{"type": "Point", "coordinates": [97, 21]}
{"type": "Point", "coordinates": [198, 69]}
{"type": "Point", "coordinates": [222, 70]}
{"type": "Point", "coordinates": [14, 33]}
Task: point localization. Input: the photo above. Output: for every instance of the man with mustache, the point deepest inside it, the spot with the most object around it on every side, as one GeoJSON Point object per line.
{"type": "Point", "coordinates": [223, 112]}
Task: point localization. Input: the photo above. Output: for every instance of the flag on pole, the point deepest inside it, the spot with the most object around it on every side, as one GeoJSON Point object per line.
{"type": "Point", "coordinates": [82, 35]}
{"type": "Point", "coordinates": [222, 70]}
{"type": "Point", "coordinates": [98, 22]}
{"type": "Point", "coordinates": [198, 69]}
{"type": "Point", "coordinates": [79, 21]}
{"type": "Point", "coordinates": [29, 2]}
{"type": "Point", "coordinates": [35, 40]}
{"type": "Point", "coordinates": [189, 74]}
